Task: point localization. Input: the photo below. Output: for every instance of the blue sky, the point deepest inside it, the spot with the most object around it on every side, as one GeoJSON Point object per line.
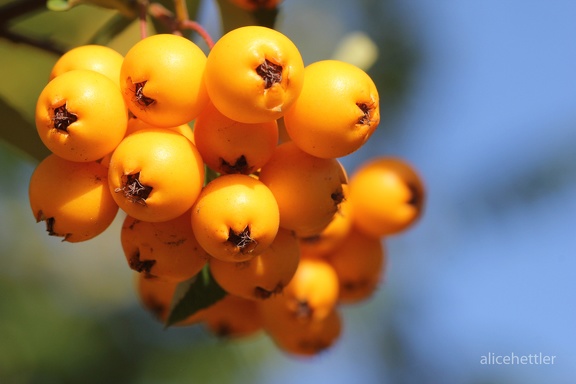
{"type": "Point", "coordinates": [491, 125]}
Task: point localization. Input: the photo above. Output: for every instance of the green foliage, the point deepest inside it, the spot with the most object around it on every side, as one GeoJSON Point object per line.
{"type": "Point", "coordinates": [193, 295]}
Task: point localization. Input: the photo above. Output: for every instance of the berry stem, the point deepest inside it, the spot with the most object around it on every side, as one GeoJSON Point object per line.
{"type": "Point", "coordinates": [181, 11]}
{"type": "Point", "coordinates": [199, 29]}
{"type": "Point", "coordinates": [143, 13]}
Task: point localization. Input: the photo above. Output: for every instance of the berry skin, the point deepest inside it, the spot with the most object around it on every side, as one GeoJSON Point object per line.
{"type": "Point", "coordinates": [72, 198]}
{"type": "Point", "coordinates": [386, 195]}
{"type": "Point", "coordinates": [308, 189]}
{"type": "Point", "coordinates": [336, 112]}
{"type": "Point", "coordinates": [98, 58]}
{"type": "Point", "coordinates": [311, 294]}
{"type": "Point", "coordinates": [304, 319]}
{"type": "Point", "coordinates": [161, 79]}
{"type": "Point", "coordinates": [360, 263]}
{"type": "Point", "coordinates": [232, 317]}
{"type": "Point", "coordinates": [81, 116]}
{"type": "Point", "coordinates": [228, 146]}
{"type": "Point", "coordinates": [254, 74]}
{"type": "Point", "coordinates": [335, 232]}
{"type": "Point", "coordinates": [264, 275]}
{"type": "Point", "coordinates": [235, 218]}
{"type": "Point", "coordinates": [155, 174]}
{"type": "Point", "coordinates": [166, 250]}
{"type": "Point", "coordinates": [305, 339]}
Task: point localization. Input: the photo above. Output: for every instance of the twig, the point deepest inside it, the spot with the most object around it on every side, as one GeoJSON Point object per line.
{"type": "Point", "coordinates": [196, 27]}
{"type": "Point", "coordinates": [143, 14]}
{"type": "Point", "coordinates": [160, 13]}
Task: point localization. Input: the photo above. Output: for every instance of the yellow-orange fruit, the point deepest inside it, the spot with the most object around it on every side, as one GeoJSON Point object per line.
{"type": "Point", "coordinates": [386, 195]}
{"type": "Point", "coordinates": [155, 175]}
{"type": "Point", "coordinates": [301, 338]}
{"type": "Point", "coordinates": [254, 74]}
{"type": "Point", "coordinates": [167, 249]}
{"type": "Point", "coordinates": [334, 234]}
{"type": "Point", "coordinates": [80, 115]}
{"type": "Point", "coordinates": [336, 112]}
{"type": "Point", "coordinates": [308, 189]}
{"type": "Point", "coordinates": [97, 58]}
{"type": "Point", "coordinates": [162, 80]}
{"type": "Point", "coordinates": [360, 263]}
{"type": "Point", "coordinates": [235, 217]}
{"type": "Point", "coordinates": [229, 146]}
{"type": "Point", "coordinates": [232, 317]}
{"type": "Point", "coordinates": [72, 198]}
{"type": "Point", "coordinates": [263, 275]}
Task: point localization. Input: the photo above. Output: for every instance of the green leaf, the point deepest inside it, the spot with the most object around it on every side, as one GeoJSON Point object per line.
{"type": "Point", "coordinates": [126, 7]}
{"type": "Point", "coordinates": [234, 17]}
{"type": "Point", "coordinates": [193, 295]}
{"type": "Point", "coordinates": [20, 133]}
{"type": "Point", "coordinates": [59, 5]}
{"type": "Point", "coordinates": [116, 25]}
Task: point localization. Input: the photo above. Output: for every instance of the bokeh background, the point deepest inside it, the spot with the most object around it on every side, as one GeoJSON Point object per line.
{"type": "Point", "coordinates": [480, 96]}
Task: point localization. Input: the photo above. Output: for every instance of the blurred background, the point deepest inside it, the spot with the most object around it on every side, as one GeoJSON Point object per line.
{"type": "Point", "coordinates": [479, 96]}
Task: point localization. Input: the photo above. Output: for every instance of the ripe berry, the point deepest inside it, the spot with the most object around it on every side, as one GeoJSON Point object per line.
{"type": "Point", "coordinates": [228, 146]}
{"type": "Point", "coordinates": [308, 189]}
{"type": "Point", "coordinates": [386, 195]}
{"type": "Point", "coordinates": [155, 174]}
{"type": "Point", "coordinates": [72, 198]}
{"type": "Point", "coordinates": [254, 74]}
{"type": "Point", "coordinates": [336, 112]}
{"type": "Point", "coordinates": [264, 275]}
{"type": "Point", "coordinates": [166, 250]}
{"type": "Point", "coordinates": [235, 218]}
{"type": "Point", "coordinates": [98, 58]}
{"type": "Point", "coordinates": [81, 116]}
{"type": "Point", "coordinates": [162, 80]}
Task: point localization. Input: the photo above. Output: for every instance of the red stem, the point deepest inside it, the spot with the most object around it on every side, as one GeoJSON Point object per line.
{"type": "Point", "coordinates": [143, 6]}
{"type": "Point", "coordinates": [199, 29]}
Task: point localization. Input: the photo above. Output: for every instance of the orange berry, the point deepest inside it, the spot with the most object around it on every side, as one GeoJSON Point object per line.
{"type": "Point", "coordinates": [386, 195]}
{"type": "Point", "coordinates": [263, 275]}
{"type": "Point", "coordinates": [308, 189]}
{"type": "Point", "coordinates": [235, 217]}
{"type": "Point", "coordinates": [311, 294]}
{"type": "Point", "coordinates": [155, 295]}
{"type": "Point", "coordinates": [232, 317]}
{"type": "Point", "coordinates": [301, 338]}
{"type": "Point", "coordinates": [167, 250]}
{"type": "Point", "coordinates": [334, 234]}
{"type": "Point", "coordinates": [72, 198]}
{"type": "Point", "coordinates": [254, 74]}
{"type": "Point", "coordinates": [336, 112]}
{"type": "Point", "coordinates": [98, 58]}
{"type": "Point", "coordinates": [135, 124]}
{"type": "Point", "coordinates": [162, 80]}
{"type": "Point", "coordinates": [360, 263]}
{"type": "Point", "coordinates": [228, 146]}
{"type": "Point", "coordinates": [81, 116]}
{"type": "Point", "coordinates": [155, 175]}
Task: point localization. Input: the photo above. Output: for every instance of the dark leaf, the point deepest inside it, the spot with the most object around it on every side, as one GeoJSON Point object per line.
{"type": "Point", "coordinates": [198, 293]}
{"type": "Point", "coordinates": [20, 133]}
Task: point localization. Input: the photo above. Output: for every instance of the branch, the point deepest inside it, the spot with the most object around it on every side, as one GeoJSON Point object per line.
{"type": "Point", "coordinates": [46, 45]}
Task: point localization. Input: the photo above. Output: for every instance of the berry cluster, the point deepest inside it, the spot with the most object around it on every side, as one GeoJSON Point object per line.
{"type": "Point", "coordinates": [254, 195]}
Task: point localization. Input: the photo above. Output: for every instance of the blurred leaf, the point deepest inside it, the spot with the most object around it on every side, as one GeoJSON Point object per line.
{"type": "Point", "coordinates": [116, 25]}
{"type": "Point", "coordinates": [233, 17]}
{"type": "Point", "coordinates": [200, 292]}
{"type": "Point", "coordinates": [20, 133]}
{"type": "Point", "coordinates": [127, 7]}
